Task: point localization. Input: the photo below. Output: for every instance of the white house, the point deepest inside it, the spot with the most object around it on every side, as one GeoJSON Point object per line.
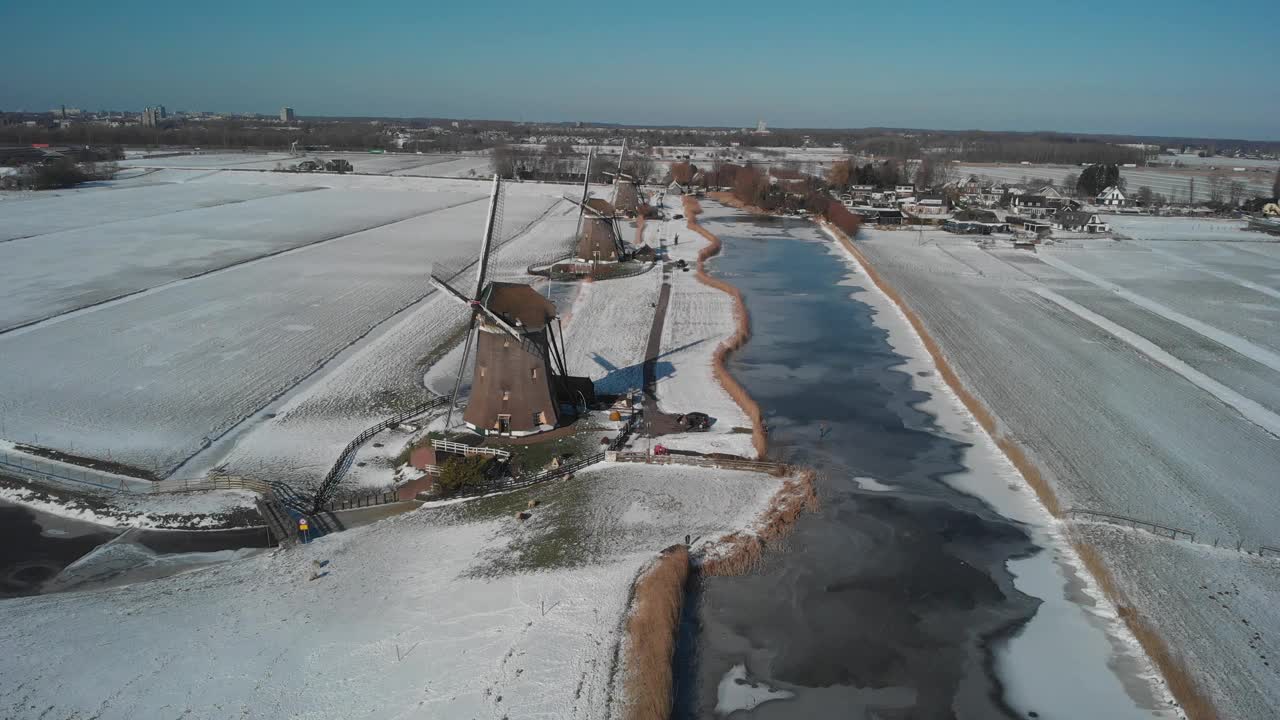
{"type": "Point", "coordinates": [1112, 197]}
{"type": "Point", "coordinates": [1077, 221]}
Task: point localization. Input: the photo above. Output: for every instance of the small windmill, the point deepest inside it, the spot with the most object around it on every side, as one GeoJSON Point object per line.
{"type": "Point", "coordinates": [626, 195]}
{"type": "Point", "coordinates": [598, 237]}
{"type": "Point", "coordinates": [519, 375]}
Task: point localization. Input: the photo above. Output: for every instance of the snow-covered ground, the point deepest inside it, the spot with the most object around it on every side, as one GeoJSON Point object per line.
{"type": "Point", "coordinates": [154, 377]}
{"type": "Point", "coordinates": [457, 611]}
{"type": "Point", "coordinates": [383, 375]}
{"type": "Point", "coordinates": [1122, 393]}
{"type": "Point", "coordinates": [1174, 184]}
{"type": "Point", "coordinates": [443, 165]}
{"type": "Point", "coordinates": [1214, 606]}
{"type": "Point", "coordinates": [1139, 227]}
{"type": "Point", "coordinates": [699, 319]}
{"type": "Point", "coordinates": [162, 510]}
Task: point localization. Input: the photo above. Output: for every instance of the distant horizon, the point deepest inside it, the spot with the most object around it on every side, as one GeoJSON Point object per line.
{"type": "Point", "coordinates": [1141, 69]}
{"type": "Point", "coordinates": [632, 125]}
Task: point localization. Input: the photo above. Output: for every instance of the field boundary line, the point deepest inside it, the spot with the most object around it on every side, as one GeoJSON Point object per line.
{"type": "Point", "coordinates": [1235, 343]}
{"type": "Point", "coordinates": [37, 324]}
{"type": "Point", "coordinates": [1250, 410]}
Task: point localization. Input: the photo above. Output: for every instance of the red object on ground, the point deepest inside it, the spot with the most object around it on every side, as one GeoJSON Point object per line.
{"type": "Point", "coordinates": [659, 449]}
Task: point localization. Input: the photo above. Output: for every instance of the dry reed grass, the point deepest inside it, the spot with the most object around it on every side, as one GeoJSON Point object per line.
{"type": "Point", "coordinates": [740, 337]}
{"type": "Point", "coordinates": [1191, 697]}
{"type": "Point", "coordinates": [728, 198]}
{"type": "Point", "coordinates": [651, 635]}
{"type": "Point", "coordinates": [740, 552]}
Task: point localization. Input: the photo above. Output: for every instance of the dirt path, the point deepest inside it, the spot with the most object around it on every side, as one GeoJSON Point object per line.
{"type": "Point", "coordinates": [657, 422]}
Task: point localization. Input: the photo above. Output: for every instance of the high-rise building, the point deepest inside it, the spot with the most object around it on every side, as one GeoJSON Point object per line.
{"type": "Point", "coordinates": [286, 114]}
{"type": "Point", "coordinates": [152, 116]}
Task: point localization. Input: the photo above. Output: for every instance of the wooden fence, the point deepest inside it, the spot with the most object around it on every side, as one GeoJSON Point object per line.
{"type": "Point", "coordinates": [699, 461]}
{"type": "Point", "coordinates": [213, 482]}
{"type": "Point", "coordinates": [329, 485]}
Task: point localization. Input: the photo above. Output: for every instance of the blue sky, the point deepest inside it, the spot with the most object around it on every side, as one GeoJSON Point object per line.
{"type": "Point", "coordinates": [1125, 67]}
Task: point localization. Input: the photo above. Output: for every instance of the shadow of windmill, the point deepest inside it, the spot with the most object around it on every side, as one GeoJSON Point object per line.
{"type": "Point", "coordinates": [620, 379]}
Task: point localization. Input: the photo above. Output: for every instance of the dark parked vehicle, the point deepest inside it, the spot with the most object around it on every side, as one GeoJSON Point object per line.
{"type": "Point", "coordinates": [694, 421]}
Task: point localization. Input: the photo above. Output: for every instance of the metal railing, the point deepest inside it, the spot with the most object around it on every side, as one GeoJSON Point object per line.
{"type": "Point", "coordinates": [1168, 531]}
{"type": "Point", "coordinates": [30, 467]}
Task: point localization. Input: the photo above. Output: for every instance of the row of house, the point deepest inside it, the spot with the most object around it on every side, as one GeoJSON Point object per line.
{"type": "Point", "coordinates": [1037, 202]}
{"type": "Point", "coordinates": [1067, 221]}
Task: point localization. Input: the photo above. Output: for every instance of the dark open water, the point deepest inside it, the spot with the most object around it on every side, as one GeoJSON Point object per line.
{"type": "Point", "coordinates": [881, 604]}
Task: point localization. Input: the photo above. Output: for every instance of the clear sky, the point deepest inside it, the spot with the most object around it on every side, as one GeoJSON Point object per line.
{"type": "Point", "coordinates": [1123, 66]}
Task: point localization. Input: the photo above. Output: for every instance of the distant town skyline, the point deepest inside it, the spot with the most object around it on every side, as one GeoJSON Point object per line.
{"type": "Point", "coordinates": [1141, 68]}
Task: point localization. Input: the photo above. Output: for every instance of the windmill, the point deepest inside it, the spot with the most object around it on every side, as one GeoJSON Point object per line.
{"type": "Point", "coordinates": [598, 236]}
{"type": "Point", "coordinates": [626, 196]}
{"type": "Point", "coordinates": [519, 377]}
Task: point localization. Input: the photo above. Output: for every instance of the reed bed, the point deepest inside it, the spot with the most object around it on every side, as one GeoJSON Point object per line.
{"type": "Point", "coordinates": [651, 635]}
{"type": "Point", "coordinates": [741, 552]}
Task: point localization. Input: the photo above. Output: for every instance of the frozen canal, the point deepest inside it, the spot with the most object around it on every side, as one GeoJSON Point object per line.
{"type": "Point", "coordinates": [899, 595]}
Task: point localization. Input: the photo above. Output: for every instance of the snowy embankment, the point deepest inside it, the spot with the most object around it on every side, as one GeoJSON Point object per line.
{"type": "Point", "coordinates": [459, 611]}
{"type": "Point", "coordinates": [202, 510]}
{"type": "Point", "coordinates": [1213, 607]}
{"type": "Point", "coordinates": [1096, 390]}
{"type": "Point", "coordinates": [699, 318]}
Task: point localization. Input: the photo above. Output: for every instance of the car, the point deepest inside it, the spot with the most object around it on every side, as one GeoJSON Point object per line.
{"type": "Point", "coordinates": [677, 216]}
{"type": "Point", "coordinates": [694, 421]}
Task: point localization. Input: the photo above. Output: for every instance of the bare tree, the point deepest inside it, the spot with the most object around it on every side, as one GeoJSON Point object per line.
{"type": "Point", "coordinates": [1236, 191]}
{"type": "Point", "coordinates": [503, 159]}
{"type": "Point", "coordinates": [840, 173]}
{"type": "Point", "coordinates": [1216, 185]}
{"type": "Point", "coordinates": [640, 167]}
{"type": "Point", "coordinates": [1070, 182]}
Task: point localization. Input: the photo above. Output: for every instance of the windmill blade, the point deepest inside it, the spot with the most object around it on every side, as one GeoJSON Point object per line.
{"type": "Point", "coordinates": [487, 241]}
{"type": "Point", "coordinates": [448, 290]}
{"type": "Point", "coordinates": [585, 208]}
{"type": "Point", "coordinates": [502, 324]}
{"type": "Point", "coordinates": [586, 190]}
{"type": "Point", "coordinates": [462, 368]}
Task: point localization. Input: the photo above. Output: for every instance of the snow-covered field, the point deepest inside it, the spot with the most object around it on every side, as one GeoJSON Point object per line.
{"type": "Point", "coordinates": [152, 378]}
{"type": "Point", "coordinates": [1216, 607]}
{"type": "Point", "coordinates": [458, 611]}
{"type": "Point", "coordinates": [444, 165]}
{"type": "Point", "coordinates": [1173, 184]}
{"type": "Point", "coordinates": [1141, 378]}
{"type": "Point", "coordinates": [1175, 228]}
